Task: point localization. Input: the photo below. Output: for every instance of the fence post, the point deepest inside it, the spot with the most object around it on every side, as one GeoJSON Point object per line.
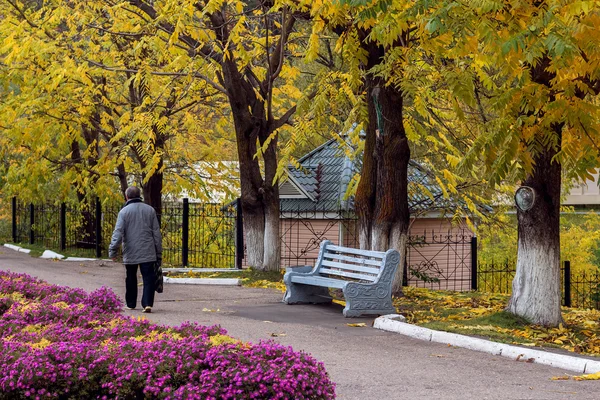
{"type": "Point", "coordinates": [567, 281]}
{"type": "Point", "coordinates": [185, 232]}
{"type": "Point", "coordinates": [14, 219]}
{"type": "Point", "coordinates": [31, 223]}
{"type": "Point", "coordinates": [405, 269]}
{"type": "Point", "coordinates": [63, 226]}
{"type": "Point", "coordinates": [98, 228]}
{"type": "Point", "coordinates": [474, 263]}
{"type": "Point", "coordinates": [239, 234]}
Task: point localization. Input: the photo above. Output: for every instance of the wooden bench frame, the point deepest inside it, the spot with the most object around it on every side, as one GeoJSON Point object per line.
{"type": "Point", "coordinates": [366, 284]}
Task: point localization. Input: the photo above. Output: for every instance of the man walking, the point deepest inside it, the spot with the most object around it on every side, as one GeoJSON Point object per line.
{"type": "Point", "coordinates": [138, 229]}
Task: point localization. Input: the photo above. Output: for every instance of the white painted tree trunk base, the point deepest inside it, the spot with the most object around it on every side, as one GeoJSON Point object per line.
{"type": "Point", "coordinates": [536, 294]}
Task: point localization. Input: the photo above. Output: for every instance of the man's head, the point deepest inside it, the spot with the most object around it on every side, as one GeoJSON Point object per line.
{"type": "Point", "coordinates": [133, 192]}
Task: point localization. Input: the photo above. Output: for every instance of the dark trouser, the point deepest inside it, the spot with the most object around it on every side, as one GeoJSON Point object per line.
{"type": "Point", "coordinates": [131, 289]}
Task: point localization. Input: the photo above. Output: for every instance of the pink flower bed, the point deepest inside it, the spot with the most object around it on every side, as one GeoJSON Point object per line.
{"type": "Point", "coordinates": [58, 342]}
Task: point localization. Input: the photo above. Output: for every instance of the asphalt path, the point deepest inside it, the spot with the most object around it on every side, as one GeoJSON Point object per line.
{"type": "Point", "coordinates": [365, 363]}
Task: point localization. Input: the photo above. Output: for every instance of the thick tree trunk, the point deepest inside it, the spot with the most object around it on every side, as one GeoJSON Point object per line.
{"type": "Point", "coordinates": [272, 245]}
{"type": "Point", "coordinates": [393, 153]}
{"type": "Point", "coordinates": [152, 190]}
{"type": "Point", "coordinates": [254, 231]}
{"type": "Point", "coordinates": [272, 249]}
{"type": "Point", "coordinates": [536, 293]}
{"type": "Point", "coordinates": [382, 194]}
{"type": "Point", "coordinates": [364, 200]}
{"type": "Point", "coordinates": [399, 241]}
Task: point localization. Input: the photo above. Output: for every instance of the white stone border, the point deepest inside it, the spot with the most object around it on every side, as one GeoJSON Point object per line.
{"type": "Point", "coordinates": [210, 270]}
{"type": "Point", "coordinates": [204, 281]}
{"type": "Point", "coordinates": [16, 248]}
{"type": "Point", "coordinates": [578, 364]}
{"type": "Point", "coordinates": [51, 255]}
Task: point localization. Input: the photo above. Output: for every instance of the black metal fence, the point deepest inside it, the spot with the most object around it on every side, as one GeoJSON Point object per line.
{"type": "Point", "coordinates": [194, 234]}
{"type": "Point", "coordinates": [579, 289]}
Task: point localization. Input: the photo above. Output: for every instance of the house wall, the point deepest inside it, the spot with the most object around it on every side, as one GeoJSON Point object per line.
{"type": "Point", "coordinates": [439, 256]}
{"type": "Point", "coordinates": [300, 239]}
{"type": "Point", "coordinates": [584, 193]}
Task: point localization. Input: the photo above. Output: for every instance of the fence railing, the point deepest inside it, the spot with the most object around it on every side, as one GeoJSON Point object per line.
{"type": "Point", "coordinates": [194, 234]}
{"type": "Point", "coordinates": [211, 235]}
{"type": "Point", "coordinates": [579, 289]}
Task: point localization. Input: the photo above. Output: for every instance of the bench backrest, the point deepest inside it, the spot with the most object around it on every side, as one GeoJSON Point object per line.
{"type": "Point", "coordinates": [350, 264]}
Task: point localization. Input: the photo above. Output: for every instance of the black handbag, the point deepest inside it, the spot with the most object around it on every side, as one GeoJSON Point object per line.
{"type": "Point", "coordinates": [158, 273]}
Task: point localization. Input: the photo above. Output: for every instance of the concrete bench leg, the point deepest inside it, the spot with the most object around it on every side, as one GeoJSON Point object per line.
{"type": "Point", "coordinates": [367, 300]}
{"type": "Point", "coordinates": [298, 293]}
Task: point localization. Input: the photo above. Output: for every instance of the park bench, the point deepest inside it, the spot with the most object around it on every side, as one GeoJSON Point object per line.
{"type": "Point", "coordinates": [365, 278]}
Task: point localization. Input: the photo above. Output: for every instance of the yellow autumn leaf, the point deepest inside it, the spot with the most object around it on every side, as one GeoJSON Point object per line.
{"type": "Point", "coordinates": [589, 377]}
{"type": "Point", "coordinates": [358, 325]}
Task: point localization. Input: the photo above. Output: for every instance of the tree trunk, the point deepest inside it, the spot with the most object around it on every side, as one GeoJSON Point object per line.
{"type": "Point", "coordinates": [364, 200]}
{"type": "Point", "coordinates": [254, 233]}
{"type": "Point", "coordinates": [391, 209]}
{"type": "Point", "coordinates": [536, 293]}
{"type": "Point", "coordinates": [272, 249]}
{"type": "Point", "coordinates": [382, 193]}
{"type": "Point", "coordinates": [399, 241]}
{"type": "Point", "coordinates": [152, 189]}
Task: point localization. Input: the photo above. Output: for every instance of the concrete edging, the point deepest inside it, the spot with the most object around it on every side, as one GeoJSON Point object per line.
{"type": "Point", "coordinates": [17, 248]}
{"type": "Point", "coordinates": [581, 365]}
{"type": "Point", "coordinates": [203, 281]}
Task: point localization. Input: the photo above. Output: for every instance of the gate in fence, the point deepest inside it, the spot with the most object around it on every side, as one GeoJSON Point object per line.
{"type": "Point", "coordinates": [194, 234]}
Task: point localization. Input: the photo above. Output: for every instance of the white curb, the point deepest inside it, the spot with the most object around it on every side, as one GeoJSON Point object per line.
{"type": "Point", "coordinates": [204, 281]}
{"type": "Point", "coordinates": [51, 254]}
{"type": "Point", "coordinates": [203, 270]}
{"type": "Point", "coordinates": [571, 363]}
{"type": "Point", "coordinates": [17, 248]}
{"type": "Point", "coordinates": [80, 259]}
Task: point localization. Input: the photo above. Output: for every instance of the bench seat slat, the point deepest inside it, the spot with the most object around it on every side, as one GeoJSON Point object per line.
{"type": "Point", "coordinates": [356, 260]}
{"type": "Point", "coordinates": [350, 267]}
{"type": "Point", "coordinates": [332, 271]}
{"type": "Point", "coordinates": [319, 281]}
{"type": "Point", "coordinates": [368, 253]}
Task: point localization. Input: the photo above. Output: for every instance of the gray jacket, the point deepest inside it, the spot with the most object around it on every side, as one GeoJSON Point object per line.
{"type": "Point", "coordinates": [137, 228]}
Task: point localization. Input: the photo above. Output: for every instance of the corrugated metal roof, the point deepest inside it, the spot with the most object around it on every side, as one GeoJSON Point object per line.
{"type": "Point", "coordinates": [324, 174]}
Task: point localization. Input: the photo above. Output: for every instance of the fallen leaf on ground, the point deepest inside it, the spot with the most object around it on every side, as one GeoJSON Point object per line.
{"type": "Point", "coordinates": [437, 355]}
{"type": "Point", "coordinates": [357, 325]}
{"type": "Point", "coordinates": [588, 377]}
{"type": "Point", "coordinates": [273, 334]}
{"type": "Point", "coordinates": [560, 378]}
{"type": "Point", "coordinates": [209, 310]}
{"type": "Point", "coordinates": [268, 322]}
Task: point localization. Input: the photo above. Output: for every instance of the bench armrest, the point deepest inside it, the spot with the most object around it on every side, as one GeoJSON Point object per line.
{"type": "Point", "coordinates": [303, 269]}
{"type": "Point", "coordinates": [298, 270]}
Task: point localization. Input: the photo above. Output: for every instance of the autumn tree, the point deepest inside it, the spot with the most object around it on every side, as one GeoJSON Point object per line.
{"type": "Point", "coordinates": [80, 126]}
{"type": "Point", "coordinates": [539, 64]}
{"type": "Point", "coordinates": [242, 49]}
{"type": "Point", "coordinates": [388, 53]}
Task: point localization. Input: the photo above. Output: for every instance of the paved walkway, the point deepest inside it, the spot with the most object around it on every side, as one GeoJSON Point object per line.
{"type": "Point", "coordinates": [365, 363]}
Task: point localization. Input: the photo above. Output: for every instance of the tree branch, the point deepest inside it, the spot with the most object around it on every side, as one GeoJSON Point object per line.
{"type": "Point", "coordinates": [159, 73]}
